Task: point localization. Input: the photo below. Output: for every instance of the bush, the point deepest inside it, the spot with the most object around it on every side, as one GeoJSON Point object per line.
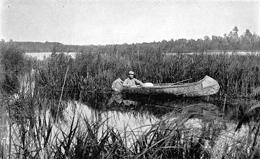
{"type": "Point", "coordinates": [12, 66]}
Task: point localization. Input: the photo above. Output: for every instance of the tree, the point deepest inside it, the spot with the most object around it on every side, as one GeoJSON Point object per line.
{"type": "Point", "coordinates": [233, 39]}
{"type": "Point", "coordinates": [206, 43]}
{"type": "Point", "coordinates": [235, 30]}
{"type": "Point", "coordinates": [246, 40]}
{"type": "Point", "coordinates": [215, 43]}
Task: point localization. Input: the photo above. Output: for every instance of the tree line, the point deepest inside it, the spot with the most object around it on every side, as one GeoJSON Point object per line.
{"type": "Point", "coordinates": [232, 41]}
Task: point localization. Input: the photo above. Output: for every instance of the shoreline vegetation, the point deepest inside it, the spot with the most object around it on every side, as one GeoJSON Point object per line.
{"type": "Point", "coordinates": [47, 85]}
{"type": "Point", "coordinates": [233, 41]}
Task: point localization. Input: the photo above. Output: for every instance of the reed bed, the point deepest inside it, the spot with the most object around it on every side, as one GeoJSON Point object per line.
{"type": "Point", "coordinates": [92, 74]}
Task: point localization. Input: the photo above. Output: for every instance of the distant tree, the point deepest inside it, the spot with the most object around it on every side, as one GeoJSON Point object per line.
{"type": "Point", "coordinates": [233, 39]}
{"type": "Point", "coordinates": [215, 43]}
{"type": "Point", "coordinates": [230, 41]}
{"type": "Point", "coordinates": [235, 30]}
{"type": "Point", "coordinates": [246, 40]}
{"type": "Point", "coordinates": [206, 43]}
{"type": "Point", "coordinates": [192, 46]}
{"type": "Point", "coordinates": [248, 34]}
{"type": "Point", "coordinates": [164, 45]}
{"type": "Point", "coordinates": [256, 42]}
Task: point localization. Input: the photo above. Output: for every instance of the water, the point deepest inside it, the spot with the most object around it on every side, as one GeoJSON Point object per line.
{"type": "Point", "coordinates": [119, 120]}
{"type": "Point", "coordinates": [43, 55]}
{"type": "Point", "coordinates": [242, 53]}
{"type": "Point", "coordinates": [128, 118]}
{"type": "Point", "coordinates": [132, 118]}
{"type": "Point", "coordinates": [123, 122]}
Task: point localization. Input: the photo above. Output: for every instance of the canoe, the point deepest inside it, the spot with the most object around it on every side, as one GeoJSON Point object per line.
{"type": "Point", "coordinates": [205, 87]}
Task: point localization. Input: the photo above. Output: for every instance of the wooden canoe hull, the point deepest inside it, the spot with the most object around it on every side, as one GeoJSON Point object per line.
{"type": "Point", "coordinates": [205, 87]}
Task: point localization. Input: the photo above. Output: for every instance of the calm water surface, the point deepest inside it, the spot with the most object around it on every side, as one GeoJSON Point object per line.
{"type": "Point", "coordinates": [132, 121]}
{"type": "Point", "coordinates": [127, 118]}
{"type": "Point", "coordinates": [42, 55]}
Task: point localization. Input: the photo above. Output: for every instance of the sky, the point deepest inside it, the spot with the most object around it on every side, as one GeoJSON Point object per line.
{"type": "Point", "coordinates": [86, 22]}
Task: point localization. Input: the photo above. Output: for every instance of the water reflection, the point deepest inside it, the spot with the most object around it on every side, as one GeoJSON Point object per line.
{"type": "Point", "coordinates": [125, 115]}
{"type": "Point", "coordinates": [159, 106]}
{"type": "Point", "coordinates": [132, 120]}
{"type": "Point", "coordinates": [132, 123]}
{"type": "Point", "coordinates": [119, 120]}
{"type": "Point", "coordinates": [3, 130]}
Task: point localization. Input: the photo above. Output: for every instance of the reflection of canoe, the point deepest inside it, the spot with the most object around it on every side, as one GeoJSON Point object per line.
{"type": "Point", "coordinates": [117, 98]}
{"type": "Point", "coordinates": [159, 108]}
{"type": "Point", "coordinates": [206, 86]}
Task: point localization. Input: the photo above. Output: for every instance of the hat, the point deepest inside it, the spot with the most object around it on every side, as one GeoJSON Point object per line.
{"type": "Point", "coordinates": [131, 73]}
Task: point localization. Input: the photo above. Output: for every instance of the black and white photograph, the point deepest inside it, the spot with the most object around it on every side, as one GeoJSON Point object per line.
{"type": "Point", "coordinates": [129, 79]}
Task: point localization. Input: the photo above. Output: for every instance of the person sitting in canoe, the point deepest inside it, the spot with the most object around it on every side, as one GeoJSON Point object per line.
{"type": "Point", "coordinates": [131, 81]}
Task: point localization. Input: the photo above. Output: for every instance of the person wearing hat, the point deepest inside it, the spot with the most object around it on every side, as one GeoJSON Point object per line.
{"type": "Point", "coordinates": [131, 81]}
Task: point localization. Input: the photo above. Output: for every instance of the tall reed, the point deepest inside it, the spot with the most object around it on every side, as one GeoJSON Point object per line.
{"type": "Point", "coordinates": [237, 75]}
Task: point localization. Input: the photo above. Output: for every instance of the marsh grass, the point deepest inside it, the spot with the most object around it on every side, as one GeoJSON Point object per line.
{"type": "Point", "coordinates": [41, 137]}
{"type": "Point", "coordinates": [36, 133]}
{"type": "Point", "coordinates": [83, 138]}
{"type": "Point", "coordinates": [35, 120]}
{"type": "Point", "coordinates": [92, 74]}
